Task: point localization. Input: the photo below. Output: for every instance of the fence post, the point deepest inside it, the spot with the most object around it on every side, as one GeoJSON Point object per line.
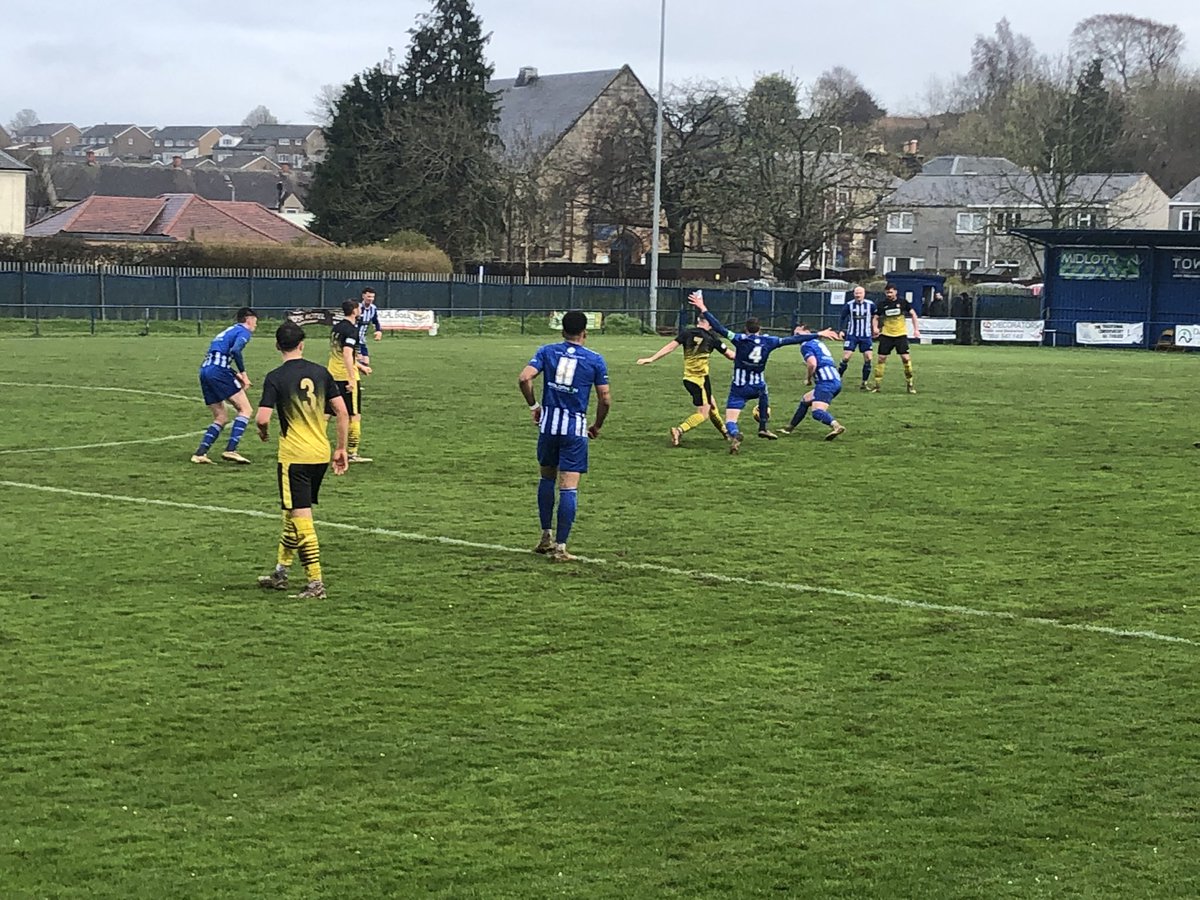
{"type": "Point", "coordinates": [178, 301]}
{"type": "Point", "coordinates": [24, 292]}
{"type": "Point", "coordinates": [523, 314]}
{"type": "Point", "coordinates": [570, 291]}
{"type": "Point", "coordinates": [147, 320]}
{"type": "Point", "coordinates": [250, 289]}
{"type": "Point", "coordinates": [102, 313]}
{"type": "Point", "coordinates": [92, 315]}
{"type": "Point", "coordinates": [37, 321]}
{"type": "Point", "coordinates": [321, 284]}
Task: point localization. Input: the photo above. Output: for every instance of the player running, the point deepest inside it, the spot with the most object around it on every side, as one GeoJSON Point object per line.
{"type": "Point", "coordinates": [827, 384]}
{"type": "Point", "coordinates": [571, 371]}
{"type": "Point", "coordinates": [698, 342]}
{"type": "Point", "coordinates": [749, 382]}
{"type": "Point", "coordinates": [856, 333]}
{"type": "Point", "coordinates": [223, 379]}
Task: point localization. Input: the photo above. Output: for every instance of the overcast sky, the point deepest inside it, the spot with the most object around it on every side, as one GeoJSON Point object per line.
{"type": "Point", "coordinates": [193, 63]}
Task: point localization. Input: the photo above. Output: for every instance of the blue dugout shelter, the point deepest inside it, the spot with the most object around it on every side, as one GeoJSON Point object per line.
{"type": "Point", "coordinates": [1113, 281]}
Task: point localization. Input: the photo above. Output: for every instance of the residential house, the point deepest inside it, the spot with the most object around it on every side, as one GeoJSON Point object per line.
{"type": "Point", "coordinates": [282, 192]}
{"type": "Point", "coordinates": [300, 146]}
{"type": "Point", "coordinates": [185, 141]}
{"type": "Point", "coordinates": [956, 214]}
{"type": "Point", "coordinates": [554, 121]}
{"type": "Point", "coordinates": [49, 138]}
{"type": "Point", "coordinates": [13, 177]}
{"type": "Point", "coordinates": [117, 140]}
{"type": "Point", "coordinates": [1185, 208]}
{"type": "Point", "coordinates": [5, 140]}
{"type": "Point", "coordinates": [172, 218]}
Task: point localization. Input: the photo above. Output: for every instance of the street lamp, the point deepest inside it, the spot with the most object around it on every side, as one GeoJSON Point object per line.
{"type": "Point", "coordinates": [658, 140]}
{"type": "Point", "coordinates": [827, 251]}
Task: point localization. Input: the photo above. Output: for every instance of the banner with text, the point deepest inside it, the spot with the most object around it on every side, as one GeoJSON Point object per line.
{"type": "Point", "coordinates": [1109, 332]}
{"type": "Point", "coordinates": [314, 316]}
{"type": "Point", "coordinates": [934, 329]}
{"type": "Point", "coordinates": [1185, 264]}
{"type": "Point", "coordinates": [408, 320]}
{"type": "Point", "coordinates": [1027, 331]}
{"type": "Point", "coordinates": [594, 319]}
{"type": "Point", "coordinates": [1097, 265]}
{"type": "Point", "coordinates": [1187, 336]}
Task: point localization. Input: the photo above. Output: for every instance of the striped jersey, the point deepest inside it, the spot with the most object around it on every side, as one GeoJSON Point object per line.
{"type": "Point", "coordinates": [856, 318]}
{"type": "Point", "coordinates": [368, 319]}
{"type": "Point", "coordinates": [225, 351]}
{"type": "Point", "coordinates": [751, 351]}
{"type": "Point", "coordinates": [826, 371]}
{"type": "Point", "coordinates": [569, 371]}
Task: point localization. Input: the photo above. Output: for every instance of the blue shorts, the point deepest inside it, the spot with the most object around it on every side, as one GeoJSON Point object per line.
{"type": "Point", "coordinates": [565, 452]}
{"type": "Point", "coordinates": [741, 394]}
{"type": "Point", "coordinates": [218, 384]}
{"type": "Point", "coordinates": [862, 344]}
{"type": "Point", "coordinates": [825, 391]}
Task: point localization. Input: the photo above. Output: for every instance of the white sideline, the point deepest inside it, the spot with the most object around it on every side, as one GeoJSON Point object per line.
{"type": "Point", "coordinates": [157, 440]}
{"type": "Point", "coordinates": [95, 387]}
{"type": "Point", "coordinates": [639, 567]}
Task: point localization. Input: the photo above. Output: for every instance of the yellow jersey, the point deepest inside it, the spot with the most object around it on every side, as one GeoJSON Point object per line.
{"type": "Point", "coordinates": [697, 344]}
{"type": "Point", "coordinates": [893, 317]}
{"type": "Point", "coordinates": [344, 334]}
{"type": "Point", "coordinates": [300, 391]}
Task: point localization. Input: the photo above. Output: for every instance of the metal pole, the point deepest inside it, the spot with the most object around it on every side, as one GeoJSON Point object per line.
{"type": "Point", "coordinates": [658, 139]}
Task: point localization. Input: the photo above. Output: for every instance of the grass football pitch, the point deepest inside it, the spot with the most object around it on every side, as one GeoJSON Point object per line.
{"type": "Point", "coordinates": [951, 654]}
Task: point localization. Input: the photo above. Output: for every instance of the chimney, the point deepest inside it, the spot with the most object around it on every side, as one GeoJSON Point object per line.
{"type": "Point", "coordinates": [91, 157]}
{"type": "Point", "coordinates": [285, 168]}
{"type": "Point", "coordinates": [176, 162]}
{"type": "Point", "coordinates": [910, 147]}
{"type": "Point", "coordinates": [526, 76]}
{"type": "Point", "coordinates": [279, 195]}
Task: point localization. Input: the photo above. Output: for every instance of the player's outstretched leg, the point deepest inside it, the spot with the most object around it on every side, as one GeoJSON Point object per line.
{"type": "Point", "coordinates": [210, 437]}
{"type": "Point", "coordinates": [835, 428]}
{"type": "Point", "coordinates": [801, 412]}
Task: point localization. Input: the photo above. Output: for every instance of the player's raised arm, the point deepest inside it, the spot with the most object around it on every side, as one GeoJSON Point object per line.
{"type": "Point", "coordinates": [667, 348]}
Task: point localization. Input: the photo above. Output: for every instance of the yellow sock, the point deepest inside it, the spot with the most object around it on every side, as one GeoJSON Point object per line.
{"type": "Point", "coordinates": [879, 371]}
{"type": "Point", "coordinates": [309, 549]}
{"type": "Point", "coordinates": [908, 370]}
{"type": "Point", "coordinates": [355, 436]}
{"type": "Point", "coordinates": [288, 541]}
{"type": "Point", "coordinates": [691, 422]}
{"type": "Point", "coordinates": [714, 416]}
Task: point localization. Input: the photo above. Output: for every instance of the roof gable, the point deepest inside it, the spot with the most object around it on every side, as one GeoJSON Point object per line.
{"type": "Point", "coordinates": [1190, 193]}
{"type": "Point", "coordinates": [542, 108]}
{"type": "Point", "coordinates": [11, 164]}
{"type": "Point", "coordinates": [1020, 189]}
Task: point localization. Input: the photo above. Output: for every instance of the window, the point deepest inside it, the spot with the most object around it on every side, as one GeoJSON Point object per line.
{"type": "Point", "coordinates": [1011, 264]}
{"type": "Point", "coordinates": [900, 222]}
{"type": "Point", "coordinates": [1007, 219]}
{"type": "Point", "coordinates": [129, 141]}
{"type": "Point", "coordinates": [971, 223]}
{"type": "Point", "coordinates": [966, 265]}
{"type": "Point", "coordinates": [283, 142]}
{"type": "Point", "coordinates": [842, 199]}
{"type": "Point", "coordinates": [873, 252]}
{"type": "Point", "coordinates": [902, 263]}
{"type": "Point", "coordinates": [168, 143]}
{"type": "Point", "coordinates": [1189, 220]}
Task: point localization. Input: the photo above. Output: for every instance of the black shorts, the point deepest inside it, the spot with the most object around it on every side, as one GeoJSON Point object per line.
{"type": "Point", "coordinates": [299, 484]}
{"type": "Point", "coordinates": [353, 398]}
{"type": "Point", "coordinates": [701, 396]}
{"type": "Point", "coordinates": [888, 344]}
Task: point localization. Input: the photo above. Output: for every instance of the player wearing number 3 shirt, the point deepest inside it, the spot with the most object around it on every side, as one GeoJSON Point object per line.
{"type": "Point", "coordinates": [752, 348]}
{"type": "Point", "coordinates": [569, 371]}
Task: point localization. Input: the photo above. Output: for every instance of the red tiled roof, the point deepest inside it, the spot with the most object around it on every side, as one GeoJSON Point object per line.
{"type": "Point", "coordinates": [181, 217]}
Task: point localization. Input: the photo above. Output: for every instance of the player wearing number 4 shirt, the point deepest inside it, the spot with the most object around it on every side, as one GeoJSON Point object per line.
{"type": "Point", "coordinates": [303, 393]}
{"type": "Point", "coordinates": [569, 372]}
{"type": "Point", "coordinates": [752, 348]}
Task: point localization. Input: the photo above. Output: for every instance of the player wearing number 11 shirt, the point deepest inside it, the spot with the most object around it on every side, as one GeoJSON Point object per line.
{"type": "Point", "coordinates": [569, 371]}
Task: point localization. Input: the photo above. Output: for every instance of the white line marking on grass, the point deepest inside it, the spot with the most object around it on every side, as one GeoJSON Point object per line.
{"type": "Point", "coordinates": [157, 440]}
{"type": "Point", "coordinates": [639, 567]}
{"type": "Point", "coordinates": [95, 387]}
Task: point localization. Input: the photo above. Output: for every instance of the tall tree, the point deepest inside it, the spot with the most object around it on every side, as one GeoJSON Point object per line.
{"type": "Point", "coordinates": [839, 96]}
{"type": "Point", "coordinates": [23, 119]}
{"type": "Point", "coordinates": [1000, 63]}
{"type": "Point", "coordinates": [1132, 49]}
{"type": "Point", "coordinates": [260, 115]}
{"type": "Point", "coordinates": [325, 104]}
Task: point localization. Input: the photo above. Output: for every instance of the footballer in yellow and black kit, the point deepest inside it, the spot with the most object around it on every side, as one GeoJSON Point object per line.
{"type": "Point", "coordinates": [893, 314]}
{"type": "Point", "coordinates": [344, 334]}
{"type": "Point", "coordinates": [300, 392]}
{"type": "Point", "coordinates": [698, 344]}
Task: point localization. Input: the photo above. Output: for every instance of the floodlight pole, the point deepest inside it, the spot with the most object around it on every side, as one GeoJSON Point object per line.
{"type": "Point", "coordinates": [658, 141]}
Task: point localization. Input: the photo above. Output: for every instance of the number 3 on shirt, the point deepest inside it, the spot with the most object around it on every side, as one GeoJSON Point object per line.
{"type": "Point", "coordinates": [565, 373]}
{"type": "Point", "coordinates": [756, 355]}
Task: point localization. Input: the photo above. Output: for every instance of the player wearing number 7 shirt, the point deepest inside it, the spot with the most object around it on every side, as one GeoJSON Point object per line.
{"type": "Point", "coordinates": [569, 371]}
{"type": "Point", "coordinates": [752, 348]}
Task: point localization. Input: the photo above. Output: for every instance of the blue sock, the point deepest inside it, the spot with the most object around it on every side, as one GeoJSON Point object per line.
{"type": "Point", "coordinates": [866, 371]}
{"type": "Point", "coordinates": [546, 502]}
{"type": "Point", "coordinates": [568, 503]}
{"type": "Point", "coordinates": [732, 428]}
{"type": "Point", "coordinates": [235, 433]}
{"type": "Point", "coordinates": [823, 416]}
{"type": "Point", "coordinates": [801, 412]}
{"type": "Point", "coordinates": [210, 437]}
{"type": "Point", "coordinates": [842, 366]}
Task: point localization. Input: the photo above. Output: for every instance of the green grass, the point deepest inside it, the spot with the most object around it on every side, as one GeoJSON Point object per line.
{"type": "Point", "coordinates": [460, 721]}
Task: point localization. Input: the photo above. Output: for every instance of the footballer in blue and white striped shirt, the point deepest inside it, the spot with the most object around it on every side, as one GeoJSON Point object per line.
{"type": "Point", "coordinates": [827, 384]}
{"type": "Point", "coordinates": [856, 333]}
{"type": "Point", "coordinates": [569, 371]}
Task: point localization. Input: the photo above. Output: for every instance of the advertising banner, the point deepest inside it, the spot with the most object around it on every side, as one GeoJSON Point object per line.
{"type": "Point", "coordinates": [1027, 331]}
{"type": "Point", "coordinates": [1185, 264]}
{"type": "Point", "coordinates": [594, 320]}
{"type": "Point", "coordinates": [408, 320]}
{"type": "Point", "coordinates": [934, 329]}
{"type": "Point", "coordinates": [1121, 333]}
{"type": "Point", "coordinates": [1187, 336]}
{"type": "Point", "coordinates": [1100, 265]}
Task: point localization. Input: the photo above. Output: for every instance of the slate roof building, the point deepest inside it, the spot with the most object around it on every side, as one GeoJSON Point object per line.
{"type": "Point", "coordinates": [1185, 208]}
